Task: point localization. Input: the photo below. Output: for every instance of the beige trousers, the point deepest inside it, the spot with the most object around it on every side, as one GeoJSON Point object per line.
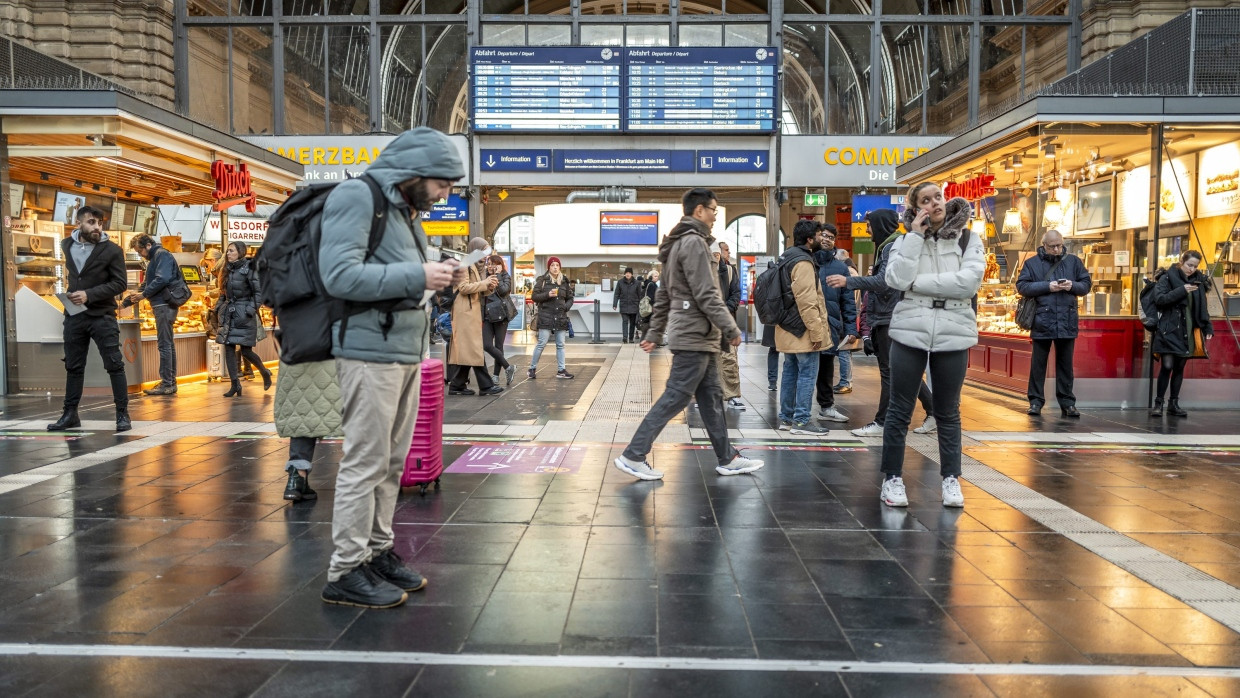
{"type": "Point", "coordinates": [379, 405]}
{"type": "Point", "coordinates": [730, 374]}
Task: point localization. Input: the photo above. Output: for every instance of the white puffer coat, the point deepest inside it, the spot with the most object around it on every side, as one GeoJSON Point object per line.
{"type": "Point", "coordinates": [930, 270]}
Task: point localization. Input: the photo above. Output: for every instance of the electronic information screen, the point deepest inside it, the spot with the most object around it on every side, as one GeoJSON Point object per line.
{"type": "Point", "coordinates": [547, 89]}
{"type": "Point", "coordinates": [701, 89]}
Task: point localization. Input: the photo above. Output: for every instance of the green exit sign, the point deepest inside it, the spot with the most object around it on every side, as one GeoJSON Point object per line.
{"type": "Point", "coordinates": [815, 199]}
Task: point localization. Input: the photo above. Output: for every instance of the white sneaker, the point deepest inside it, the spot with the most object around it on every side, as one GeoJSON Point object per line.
{"type": "Point", "coordinates": [736, 404]}
{"type": "Point", "coordinates": [831, 414]}
{"type": "Point", "coordinates": [640, 470]}
{"type": "Point", "coordinates": [871, 429]}
{"type": "Point", "coordinates": [952, 496]}
{"type": "Point", "coordinates": [893, 494]}
{"type": "Point", "coordinates": [784, 425]}
{"type": "Point", "coordinates": [927, 427]}
{"type": "Point", "coordinates": [739, 466]}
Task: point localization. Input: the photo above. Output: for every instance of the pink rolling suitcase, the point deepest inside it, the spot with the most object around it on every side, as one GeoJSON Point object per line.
{"type": "Point", "coordinates": [424, 464]}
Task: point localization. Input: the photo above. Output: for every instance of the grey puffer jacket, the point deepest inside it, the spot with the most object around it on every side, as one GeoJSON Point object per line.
{"type": "Point", "coordinates": [939, 282]}
{"type": "Point", "coordinates": [395, 271]}
{"type": "Point", "coordinates": [688, 306]}
{"type": "Point", "coordinates": [238, 308]}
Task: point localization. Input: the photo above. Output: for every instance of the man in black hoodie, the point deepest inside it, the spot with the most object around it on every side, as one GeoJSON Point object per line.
{"type": "Point", "coordinates": [883, 225]}
{"type": "Point", "coordinates": [96, 268]}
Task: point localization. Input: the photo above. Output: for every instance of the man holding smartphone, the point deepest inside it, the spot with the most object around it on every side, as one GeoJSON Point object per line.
{"type": "Point", "coordinates": [1054, 279]}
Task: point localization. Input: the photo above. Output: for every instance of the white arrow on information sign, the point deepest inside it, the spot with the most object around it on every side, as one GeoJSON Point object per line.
{"type": "Point", "coordinates": [490, 161]}
{"type": "Point", "coordinates": [488, 466]}
{"type": "Point", "coordinates": [757, 162]}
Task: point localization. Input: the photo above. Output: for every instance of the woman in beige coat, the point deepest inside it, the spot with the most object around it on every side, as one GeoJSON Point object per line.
{"type": "Point", "coordinates": [465, 349]}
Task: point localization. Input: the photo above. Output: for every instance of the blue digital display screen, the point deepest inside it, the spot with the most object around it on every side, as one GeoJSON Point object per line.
{"type": "Point", "coordinates": [628, 227]}
{"type": "Point", "coordinates": [531, 89]}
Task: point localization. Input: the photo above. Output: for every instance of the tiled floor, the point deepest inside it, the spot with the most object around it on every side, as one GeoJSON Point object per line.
{"type": "Point", "coordinates": [1094, 557]}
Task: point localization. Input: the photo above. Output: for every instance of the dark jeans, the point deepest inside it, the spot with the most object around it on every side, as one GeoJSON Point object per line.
{"type": "Point", "coordinates": [232, 360]}
{"type": "Point", "coordinates": [493, 334]}
{"type": "Point", "coordinates": [1063, 370]}
{"type": "Point", "coordinates": [301, 452]}
{"type": "Point", "coordinates": [947, 370]}
{"type": "Point", "coordinates": [1172, 371]}
{"type": "Point", "coordinates": [165, 316]}
{"type": "Point", "coordinates": [79, 330]}
{"type": "Point", "coordinates": [460, 377]}
{"type": "Point", "coordinates": [826, 380]}
{"type": "Point", "coordinates": [693, 374]}
{"type": "Point", "coordinates": [628, 326]}
{"type": "Point", "coordinates": [880, 337]}
{"type": "Point", "coordinates": [772, 366]}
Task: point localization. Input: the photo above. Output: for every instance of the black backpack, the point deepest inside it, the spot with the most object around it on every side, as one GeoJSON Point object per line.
{"type": "Point", "coordinates": [768, 296]}
{"type": "Point", "coordinates": [288, 264]}
{"type": "Point", "coordinates": [1147, 309]}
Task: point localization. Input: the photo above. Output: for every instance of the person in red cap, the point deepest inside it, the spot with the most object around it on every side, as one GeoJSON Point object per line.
{"type": "Point", "coordinates": [554, 299]}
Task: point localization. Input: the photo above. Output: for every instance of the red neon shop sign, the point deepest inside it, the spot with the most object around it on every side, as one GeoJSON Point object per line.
{"type": "Point", "coordinates": [972, 189]}
{"type": "Point", "coordinates": [232, 186]}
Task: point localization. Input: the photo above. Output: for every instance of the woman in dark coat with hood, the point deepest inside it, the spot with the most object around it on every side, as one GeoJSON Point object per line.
{"type": "Point", "coordinates": [238, 315]}
{"type": "Point", "coordinates": [626, 298]}
{"type": "Point", "coordinates": [1180, 296]}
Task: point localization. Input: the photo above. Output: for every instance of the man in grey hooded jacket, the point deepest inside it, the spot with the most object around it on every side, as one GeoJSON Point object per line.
{"type": "Point", "coordinates": [690, 309]}
{"type": "Point", "coordinates": [378, 356]}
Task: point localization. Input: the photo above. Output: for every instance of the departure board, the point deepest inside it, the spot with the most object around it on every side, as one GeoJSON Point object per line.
{"type": "Point", "coordinates": [701, 89]}
{"type": "Point", "coordinates": [547, 89]}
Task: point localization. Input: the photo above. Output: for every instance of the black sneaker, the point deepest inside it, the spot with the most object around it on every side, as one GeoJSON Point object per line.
{"type": "Point", "coordinates": [531, 373]}
{"type": "Point", "coordinates": [391, 569]}
{"type": "Point", "coordinates": [363, 587]}
{"type": "Point", "coordinates": [563, 373]}
{"type": "Point", "coordinates": [461, 391]}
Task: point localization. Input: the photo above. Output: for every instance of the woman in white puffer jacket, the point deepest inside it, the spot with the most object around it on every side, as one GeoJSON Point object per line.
{"type": "Point", "coordinates": [934, 323]}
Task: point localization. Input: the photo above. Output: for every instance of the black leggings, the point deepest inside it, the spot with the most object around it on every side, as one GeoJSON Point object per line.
{"type": "Point", "coordinates": [1172, 372]}
{"type": "Point", "coordinates": [230, 358]}
{"type": "Point", "coordinates": [493, 334]}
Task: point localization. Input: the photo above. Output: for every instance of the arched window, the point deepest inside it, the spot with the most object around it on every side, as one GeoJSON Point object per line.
{"type": "Point", "coordinates": [749, 232]}
{"type": "Point", "coordinates": [514, 235]}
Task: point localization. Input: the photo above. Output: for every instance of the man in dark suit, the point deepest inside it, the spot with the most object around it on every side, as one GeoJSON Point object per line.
{"type": "Point", "coordinates": [96, 267]}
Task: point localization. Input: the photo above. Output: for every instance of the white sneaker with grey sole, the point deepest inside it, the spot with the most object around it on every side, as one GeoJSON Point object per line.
{"type": "Point", "coordinates": [640, 470]}
{"type": "Point", "coordinates": [871, 429]}
{"type": "Point", "coordinates": [739, 466]}
{"type": "Point", "coordinates": [831, 414]}
{"type": "Point", "coordinates": [929, 426]}
{"type": "Point", "coordinates": [736, 404]}
{"type": "Point", "coordinates": [952, 496]}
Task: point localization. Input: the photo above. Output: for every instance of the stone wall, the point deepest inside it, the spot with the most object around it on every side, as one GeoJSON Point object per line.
{"type": "Point", "coordinates": [126, 41]}
{"type": "Point", "coordinates": [1109, 24]}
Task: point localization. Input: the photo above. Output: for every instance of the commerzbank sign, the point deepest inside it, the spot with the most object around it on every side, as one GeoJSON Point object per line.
{"type": "Point", "coordinates": [848, 161]}
{"type": "Point", "coordinates": [336, 158]}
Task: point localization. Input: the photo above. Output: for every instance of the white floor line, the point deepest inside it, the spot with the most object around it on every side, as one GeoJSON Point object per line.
{"type": "Point", "coordinates": [608, 662]}
{"type": "Point", "coordinates": [1208, 595]}
{"type": "Point", "coordinates": [174, 431]}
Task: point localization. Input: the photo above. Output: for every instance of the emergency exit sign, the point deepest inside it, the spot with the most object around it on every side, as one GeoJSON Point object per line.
{"type": "Point", "coordinates": [815, 199]}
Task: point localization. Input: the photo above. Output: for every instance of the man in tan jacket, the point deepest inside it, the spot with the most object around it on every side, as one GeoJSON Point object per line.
{"type": "Point", "coordinates": [801, 335]}
{"type": "Point", "coordinates": [689, 309]}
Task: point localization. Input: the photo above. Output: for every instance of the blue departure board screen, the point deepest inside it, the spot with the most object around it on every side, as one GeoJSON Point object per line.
{"type": "Point", "coordinates": [547, 89]}
{"type": "Point", "coordinates": [530, 89]}
{"type": "Point", "coordinates": [701, 89]}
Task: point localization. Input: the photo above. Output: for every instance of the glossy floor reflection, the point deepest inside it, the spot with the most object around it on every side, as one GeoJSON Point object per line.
{"type": "Point", "coordinates": [184, 541]}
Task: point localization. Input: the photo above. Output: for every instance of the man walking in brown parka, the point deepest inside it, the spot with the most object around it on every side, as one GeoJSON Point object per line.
{"type": "Point", "coordinates": [690, 311]}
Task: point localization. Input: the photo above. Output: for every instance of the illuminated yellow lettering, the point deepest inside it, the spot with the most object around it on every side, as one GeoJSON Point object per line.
{"type": "Point", "coordinates": [347, 156]}
{"type": "Point", "coordinates": [922, 151]}
{"type": "Point", "coordinates": [303, 156]}
{"type": "Point", "coordinates": [909, 154]}
{"type": "Point", "coordinates": [891, 156]}
{"type": "Point", "coordinates": [848, 156]}
{"type": "Point", "coordinates": [320, 156]}
{"type": "Point", "coordinates": [832, 156]}
{"type": "Point", "coordinates": [333, 156]}
{"type": "Point", "coordinates": [867, 156]}
{"type": "Point", "coordinates": [365, 156]}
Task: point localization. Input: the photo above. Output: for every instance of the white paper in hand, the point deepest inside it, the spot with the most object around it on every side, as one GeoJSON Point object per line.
{"type": "Point", "coordinates": [70, 307]}
{"type": "Point", "coordinates": [473, 258]}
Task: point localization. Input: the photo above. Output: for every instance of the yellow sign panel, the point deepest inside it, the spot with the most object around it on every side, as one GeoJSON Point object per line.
{"type": "Point", "coordinates": [445, 227]}
{"type": "Point", "coordinates": [859, 230]}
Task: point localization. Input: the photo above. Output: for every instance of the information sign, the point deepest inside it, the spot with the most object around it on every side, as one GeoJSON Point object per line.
{"type": "Point", "coordinates": [628, 227]}
{"type": "Point", "coordinates": [624, 160]}
{"type": "Point", "coordinates": [701, 89]}
{"type": "Point", "coordinates": [733, 161]}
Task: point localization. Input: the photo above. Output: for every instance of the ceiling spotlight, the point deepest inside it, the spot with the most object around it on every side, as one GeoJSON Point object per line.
{"type": "Point", "coordinates": [77, 183]}
{"type": "Point", "coordinates": [1018, 160]}
{"type": "Point", "coordinates": [95, 187]}
{"type": "Point", "coordinates": [43, 176]}
{"type": "Point", "coordinates": [1007, 166]}
{"type": "Point", "coordinates": [128, 194]}
{"type": "Point", "coordinates": [1050, 151]}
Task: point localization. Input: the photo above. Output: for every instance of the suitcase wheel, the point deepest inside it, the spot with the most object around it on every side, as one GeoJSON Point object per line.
{"type": "Point", "coordinates": [422, 489]}
{"type": "Point", "coordinates": [436, 483]}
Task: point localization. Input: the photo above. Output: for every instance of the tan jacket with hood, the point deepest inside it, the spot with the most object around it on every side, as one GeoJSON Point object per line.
{"type": "Point", "coordinates": [688, 308]}
{"type": "Point", "coordinates": [813, 309]}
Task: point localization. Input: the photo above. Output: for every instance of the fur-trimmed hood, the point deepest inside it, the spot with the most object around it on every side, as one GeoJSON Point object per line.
{"type": "Point", "coordinates": [958, 211]}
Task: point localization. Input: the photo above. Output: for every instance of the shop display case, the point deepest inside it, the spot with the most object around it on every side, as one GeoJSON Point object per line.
{"type": "Point", "coordinates": [996, 310]}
